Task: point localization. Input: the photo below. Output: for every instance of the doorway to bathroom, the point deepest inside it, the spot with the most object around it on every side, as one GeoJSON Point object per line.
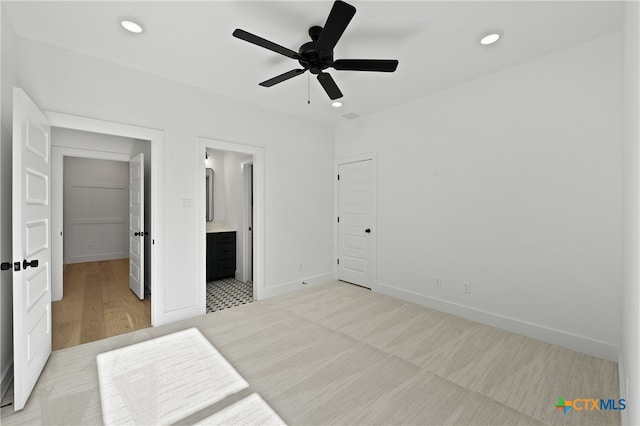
{"type": "Point", "coordinates": [231, 217]}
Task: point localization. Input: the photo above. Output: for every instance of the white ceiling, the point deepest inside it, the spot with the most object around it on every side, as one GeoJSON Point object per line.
{"type": "Point", "coordinates": [435, 42]}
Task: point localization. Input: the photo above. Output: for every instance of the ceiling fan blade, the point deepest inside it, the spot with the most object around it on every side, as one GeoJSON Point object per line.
{"type": "Point", "coordinates": [282, 77]}
{"type": "Point", "coordinates": [381, 65]}
{"type": "Point", "coordinates": [259, 41]}
{"type": "Point", "coordinates": [339, 17]}
{"type": "Point", "coordinates": [329, 86]}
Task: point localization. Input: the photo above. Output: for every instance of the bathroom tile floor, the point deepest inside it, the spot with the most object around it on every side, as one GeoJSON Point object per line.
{"type": "Point", "coordinates": [227, 293]}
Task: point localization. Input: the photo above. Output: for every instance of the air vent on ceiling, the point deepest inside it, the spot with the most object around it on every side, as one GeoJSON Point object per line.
{"type": "Point", "coordinates": [350, 115]}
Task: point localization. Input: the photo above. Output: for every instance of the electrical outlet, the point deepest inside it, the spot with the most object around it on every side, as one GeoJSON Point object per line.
{"type": "Point", "coordinates": [90, 246]}
{"type": "Point", "coordinates": [467, 288]}
{"type": "Point", "coordinates": [438, 282]}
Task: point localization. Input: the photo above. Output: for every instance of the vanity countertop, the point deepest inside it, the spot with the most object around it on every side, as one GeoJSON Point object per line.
{"type": "Point", "coordinates": [216, 227]}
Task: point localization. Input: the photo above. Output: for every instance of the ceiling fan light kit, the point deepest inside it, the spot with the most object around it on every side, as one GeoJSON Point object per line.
{"type": "Point", "coordinates": [316, 55]}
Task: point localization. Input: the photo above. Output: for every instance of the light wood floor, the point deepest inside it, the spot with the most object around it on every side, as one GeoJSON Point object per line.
{"type": "Point", "coordinates": [336, 354]}
{"type": "Point", "coordinates": [97, 304]}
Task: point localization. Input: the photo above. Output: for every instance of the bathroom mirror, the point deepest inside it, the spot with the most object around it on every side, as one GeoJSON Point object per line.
{"type": "Point", "coordinates": [209, 188]}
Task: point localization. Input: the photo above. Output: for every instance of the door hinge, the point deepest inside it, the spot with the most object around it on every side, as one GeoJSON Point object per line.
{"type": "Point", "coordinates": [338, 261]}
{"type": "Point", "coordinates": [5, 265]}
{"type": "Point", "coordinates": [338, 219]}
{"type": "Point", "coordinates": [338, 177]}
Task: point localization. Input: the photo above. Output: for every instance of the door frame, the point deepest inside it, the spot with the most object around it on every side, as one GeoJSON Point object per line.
{"type": "Point", "coordinates": [156, 138]}
{"type": "Point", "coordinates": [373, 156]}
{"type": "Point", "coordinates": [202, 144]}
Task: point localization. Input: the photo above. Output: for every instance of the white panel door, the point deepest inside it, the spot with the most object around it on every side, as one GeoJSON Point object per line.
{"type": "Point", "coordinates": [355, 204]}
{"type": "Point", "coordinates": [136, 225]}
{"type": "Point", "coordinates": [31, 209]}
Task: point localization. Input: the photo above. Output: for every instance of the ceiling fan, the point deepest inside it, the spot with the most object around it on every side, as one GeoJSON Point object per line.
{"type": "Point", "coordinates": [317, 55]}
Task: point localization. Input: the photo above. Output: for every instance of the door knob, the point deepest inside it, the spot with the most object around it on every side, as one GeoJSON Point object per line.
{"type": "Point", "coordinates": [26, 263]}
{"type": "Point", "coordinates": [368, 230]}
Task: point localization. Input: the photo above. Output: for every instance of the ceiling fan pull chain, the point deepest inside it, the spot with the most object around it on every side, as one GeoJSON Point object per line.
{"type": "Point", "coordinates": [308, 89]}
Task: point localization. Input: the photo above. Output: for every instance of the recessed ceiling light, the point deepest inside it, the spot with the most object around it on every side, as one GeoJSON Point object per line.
{"type": "Point", "coordinates": [131, 26]}
{"type": "Point", "coordinates": [491, 38]}
{"type": "Point", "coordinates": [336, 104]}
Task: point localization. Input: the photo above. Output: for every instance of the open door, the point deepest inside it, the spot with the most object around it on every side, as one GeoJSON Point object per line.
{"type": "Point", "coordinates": [31, 209]}
{"type": "Point", "coordinates": [136, 225]}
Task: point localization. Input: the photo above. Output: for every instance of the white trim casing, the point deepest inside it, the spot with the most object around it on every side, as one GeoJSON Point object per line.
{"type": "Point", "coordinates": [571, 341]}
{"type": "Point", "coordinates": [74, 122]}
{"type": "Point", "coordinates": [298, 284]}
{"type": "Point", "coordinates": [98, 257]}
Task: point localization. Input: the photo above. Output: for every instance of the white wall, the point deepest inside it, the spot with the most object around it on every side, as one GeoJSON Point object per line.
{"type": "Point", "coordinates": [298, 161]}
{"type": "Point", "coordinates": [630, 354]}
{"type": "Point", "coordinates": [511, 182]}
{"type": "Point", "coordinates": [8, 79]}
{"type": "Point", "coordinates": [96, 210]}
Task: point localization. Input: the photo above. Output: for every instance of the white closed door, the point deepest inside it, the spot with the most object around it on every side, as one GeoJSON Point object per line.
{"type": "Point", "coordinates": [31, 209]}
{"type": "Point", "coordinates": [136, 225]}
{"type": "Point", "coordinates": [355, 227]}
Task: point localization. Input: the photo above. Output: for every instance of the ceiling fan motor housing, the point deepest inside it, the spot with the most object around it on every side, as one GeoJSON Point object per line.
{"type": "Point", "coordinates": [313, 60]}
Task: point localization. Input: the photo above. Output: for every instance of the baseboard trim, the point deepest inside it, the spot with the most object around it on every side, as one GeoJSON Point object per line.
{"type": "Point", "coordinates": [97, 257]}
{"type": "Point", "coordinates": [565, 339]}
{"type": "Point", "coordinates": [297, 285]}
{"type": "Point", "coordinates": [7, 376]}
